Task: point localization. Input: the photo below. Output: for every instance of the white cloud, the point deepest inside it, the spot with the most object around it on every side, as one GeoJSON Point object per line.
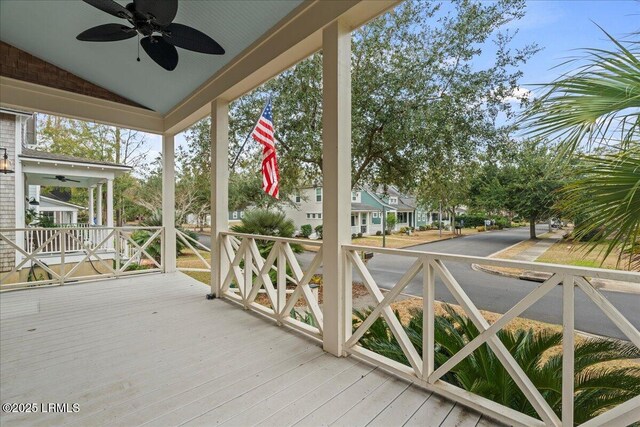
{"type": "Point", "coordinates": [517, 94]}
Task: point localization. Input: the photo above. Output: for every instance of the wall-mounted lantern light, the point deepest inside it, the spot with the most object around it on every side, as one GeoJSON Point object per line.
{"type": "Point", "coordinates": [5, 164]}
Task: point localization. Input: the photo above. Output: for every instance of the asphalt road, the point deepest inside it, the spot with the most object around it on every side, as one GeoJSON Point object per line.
{"type": "Point", "coordinates": [497, 293]}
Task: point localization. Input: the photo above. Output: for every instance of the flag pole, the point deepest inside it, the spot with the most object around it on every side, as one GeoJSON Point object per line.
{"type": "Point", "coordinates": [249, 135]}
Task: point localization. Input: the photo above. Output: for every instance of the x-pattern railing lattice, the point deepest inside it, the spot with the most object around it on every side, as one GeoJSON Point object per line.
{"type": "Point", "coordinates": [195, 247]}
{"type": "Point", "coordinates": [242, 250]}
{"type": "Point", "coordinates": [432, 266]}
{"type": "Point", "coordinates": [105, 248]}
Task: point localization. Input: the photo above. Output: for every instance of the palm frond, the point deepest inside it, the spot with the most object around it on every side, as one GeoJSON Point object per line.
{"type": "Point", "coordinates": [606, 196]}
{"type": "Point", "coordinates": [597, 105]}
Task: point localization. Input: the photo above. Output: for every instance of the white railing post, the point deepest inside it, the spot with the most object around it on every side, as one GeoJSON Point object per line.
{"type": "Point", "coordinates": [568, 377]}
{"type": "Point", "coordinates": [63, 248]}
{"type": "Point", "coordinates": [219, 192]}
{"type": "Point", "coordinates": [428, 316]}
{"type": "Point", "coordinates": [336, 206]}
{"type": "Point", "coordinates": [282, 279]}
{"type": "Point", "coordinates": [169, 203]}
{"type": "Point", "coordinates": [118, 248]}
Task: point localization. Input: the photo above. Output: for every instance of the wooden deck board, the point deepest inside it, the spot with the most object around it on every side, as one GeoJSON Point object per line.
{"type": "Point", "coordinates": [151, 350]}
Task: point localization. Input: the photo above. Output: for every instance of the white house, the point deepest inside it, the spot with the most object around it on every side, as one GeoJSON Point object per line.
{"type": "Point", "coordinates": [32, 169]}
{"type": "Point", "coordinates": [61, 213]}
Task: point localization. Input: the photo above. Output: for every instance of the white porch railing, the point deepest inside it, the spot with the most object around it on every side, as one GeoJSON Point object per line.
{"type": "Point", "coordinates": [195, 247]}
{"type": "Point", "coordinates": [77, 238]}
{"type": "Point", "coordinates": [55, 256]}
{"type": "Point", "coordinates": [422, 369]}
{"type": "Point", "coordinates": [243, 284]}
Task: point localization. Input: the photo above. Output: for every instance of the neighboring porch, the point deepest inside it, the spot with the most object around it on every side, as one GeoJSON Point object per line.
{"type": "Point", "coordinates": [152, 349]}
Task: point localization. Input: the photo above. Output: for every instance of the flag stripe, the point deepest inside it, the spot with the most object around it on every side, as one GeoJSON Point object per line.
{"type": "Point", "coordinates": [263, 134]}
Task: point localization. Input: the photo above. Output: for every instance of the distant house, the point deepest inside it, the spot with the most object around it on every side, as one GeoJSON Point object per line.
{"type": "Point", "coordinates": [33, 169]}
{"type": "Point", "coordinates": [367, 209]}
{"type": "Point", "coordinates": [61, 213]}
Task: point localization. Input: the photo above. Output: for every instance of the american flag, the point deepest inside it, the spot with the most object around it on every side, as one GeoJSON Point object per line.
{"type": "Point", "coordinates": [263, 133]}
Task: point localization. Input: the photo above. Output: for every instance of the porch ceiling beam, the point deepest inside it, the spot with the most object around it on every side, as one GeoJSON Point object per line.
{"type": "Point", "coordinates": [20, 95]}
{"type": "Point", "coordinates": [296, 37]}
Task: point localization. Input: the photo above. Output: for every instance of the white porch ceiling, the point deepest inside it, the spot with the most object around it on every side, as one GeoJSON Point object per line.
{"type": "Point", "coordinates": [47, 29]}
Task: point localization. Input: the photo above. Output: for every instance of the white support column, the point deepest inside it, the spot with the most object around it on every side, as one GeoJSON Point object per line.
{"type": "Point", "coordinates": [74, 217]}
{"type": "Point", "coordinates": [336, 205]}
{"type": "Point", "coordinates": [91, 206]}
{"type": "Point", "coordinates": [169, 203]}
{"type": "Point", "coordinates": [219, 191]}
{"type": "Point", "coordinates": [99, 206]}
{"type": "Point", "coordinates": [110, 203]}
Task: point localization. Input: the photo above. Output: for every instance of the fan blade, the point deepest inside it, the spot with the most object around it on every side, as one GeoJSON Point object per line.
{"type": "Point", "coordinates": [47, 177]}
{"type": "Point", "coordinates": [164, 54]}
{"type": "Point", "coordinates": [191, 39]}
{"type": "Point", "coordinates": [71, 180]}
{"type": "Point", "coordinates": [107, 33]}
{"type": "Point", "coordinates": [111, 7]}
{"type": "Point", "coordinates": [162, 11]}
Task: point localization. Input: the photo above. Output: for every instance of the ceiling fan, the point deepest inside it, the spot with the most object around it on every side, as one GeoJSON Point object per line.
{"type": "Point", "coordinates": [62, 178]}
{"type": "Point", "coordinates": [151, 19]}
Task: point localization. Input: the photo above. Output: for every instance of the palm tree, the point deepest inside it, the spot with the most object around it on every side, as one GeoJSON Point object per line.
{"type": "Point", "coordinates": [597, 388]}
{"type": "Point", "coordinates": [267, 223]}
{"type": "Point", "coordinates": [598, 106]}
{"type": "Point", "coordinates": [604, 198]}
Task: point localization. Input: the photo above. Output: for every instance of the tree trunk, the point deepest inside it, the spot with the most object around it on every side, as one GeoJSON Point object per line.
{"type": "Point", "coordinates": [532, 228]}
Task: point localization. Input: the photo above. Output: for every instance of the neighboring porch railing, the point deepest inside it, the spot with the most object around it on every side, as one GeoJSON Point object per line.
{"type": "Point", "coordinates": [422, 368]}
{"type": "Point", "coordinates": [55, 256]}
{"type": "Point", "coordinates": [276, 274]}
{"type": "Point", "coordinates": [78, 238]}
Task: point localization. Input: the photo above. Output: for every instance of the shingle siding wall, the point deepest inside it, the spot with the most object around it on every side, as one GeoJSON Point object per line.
{"type": "Point", "coordinates": [20, 65]}
{"type": "Point", "coordinates": [7, 190]}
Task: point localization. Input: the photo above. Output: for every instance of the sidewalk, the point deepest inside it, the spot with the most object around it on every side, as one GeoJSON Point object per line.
{"type": "Point", "coordinates": [532, 253]}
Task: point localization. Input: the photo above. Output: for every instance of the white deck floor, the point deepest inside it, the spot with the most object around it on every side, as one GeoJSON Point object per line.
{"type": "Point", "coordinates": [152, 350]}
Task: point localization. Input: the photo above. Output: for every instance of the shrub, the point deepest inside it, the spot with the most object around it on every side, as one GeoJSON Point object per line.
{"type": "Point", "coordinates": [480, 228]}
{"type": "Point", "coordinates": [359, 234]}
{"type": "Point", "coordinates": [403, 230]}
{"type": "Point", "coordinates": [306, 230]}
{"type": "Point", "coordinates": [378, 233]}
{"type": "Point", "coordinates": [353, 235]}
{"type": "Point", "coordinates": [155, 248]}
{"type": "Point", "coordinates": [597, 389]}
{"type": "Point", "coordinates": [319, 230]}
{"type": "Point", "coordinates": [391, 222]}
{"type": "Point", "coordinates": [422, 228]}
{"type": "Point", "coordinates": [472, 220]}
{"type": "Point", "coordinates": [503, 222]}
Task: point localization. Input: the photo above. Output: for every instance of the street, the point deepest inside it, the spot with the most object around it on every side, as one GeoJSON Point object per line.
{"type": "Point", "coordinates": [497, 293]}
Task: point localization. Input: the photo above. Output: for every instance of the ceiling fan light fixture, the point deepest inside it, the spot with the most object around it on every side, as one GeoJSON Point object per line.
{"type": "Point", "coordinates": [153, 20]}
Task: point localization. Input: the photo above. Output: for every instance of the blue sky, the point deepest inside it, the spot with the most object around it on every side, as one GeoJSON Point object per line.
{"type": "Point", "coordinates": [560, 27]}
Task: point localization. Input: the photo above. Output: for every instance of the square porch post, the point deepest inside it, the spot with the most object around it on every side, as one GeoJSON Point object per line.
{"type": "Point", "coordinates": [219, 191]}
{"type": "Point", "coordinates": [99, 207]}
{"type": "Point", "coordinates": [336, 203]}
{"type": "Point", "coordinates": [91, 205]}
{"type": "Point", "coordinates": [169, 203]}
{"type": "Point", "coordinates": [110, 203]}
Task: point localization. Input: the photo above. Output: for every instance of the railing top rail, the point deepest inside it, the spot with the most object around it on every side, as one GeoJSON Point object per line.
{"type": "Point", "coordinates": [273, 238]}
{"type": "Point", "coordinates": [126, 227]}
{"type": "Point", "coordinates": [600, 273]}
